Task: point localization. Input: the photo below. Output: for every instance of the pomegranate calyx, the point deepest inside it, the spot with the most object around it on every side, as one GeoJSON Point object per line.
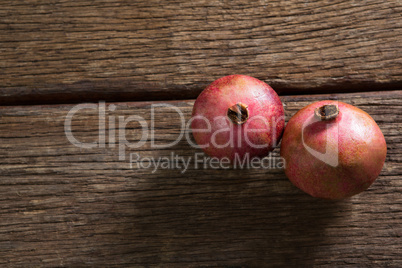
{"type": "Point", "coordinates": [326, 112]}
{"type": "Point", "coordinates": [238, 113]}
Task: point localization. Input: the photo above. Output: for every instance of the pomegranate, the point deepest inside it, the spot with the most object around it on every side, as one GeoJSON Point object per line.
{"type": "Point", "coordinates": [332, 150]}
{"type": "Point", "coordinates": [237, 116]}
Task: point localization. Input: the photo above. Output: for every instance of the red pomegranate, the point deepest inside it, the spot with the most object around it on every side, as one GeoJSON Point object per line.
{"type": "Point", "coordinates": [237, 116]}
{"type": "Point", "coordinates": [332, 150]}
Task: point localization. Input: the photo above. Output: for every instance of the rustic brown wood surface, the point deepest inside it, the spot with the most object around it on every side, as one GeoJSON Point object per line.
{"type": "Point", "coordinates": [67, 206]}
{"type": "Point", "coordinates": [68, 51]}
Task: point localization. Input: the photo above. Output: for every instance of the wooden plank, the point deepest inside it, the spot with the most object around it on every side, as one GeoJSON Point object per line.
{"type": "Point", "coordinates": [67, 206]}
{"type": "Point", "coordinates": [62, 51]}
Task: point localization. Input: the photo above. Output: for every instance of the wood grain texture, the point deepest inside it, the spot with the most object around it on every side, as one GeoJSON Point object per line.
{"type": "Point", "coordinates": [67, 206]}
{"type": "Point", "coordinates": [67, 51]}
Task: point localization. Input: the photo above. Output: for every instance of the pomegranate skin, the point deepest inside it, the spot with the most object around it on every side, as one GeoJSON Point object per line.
{"type": "Point", "coordinates": [226, 139]}
{"type": "Point", "coordinates": [353, 144]}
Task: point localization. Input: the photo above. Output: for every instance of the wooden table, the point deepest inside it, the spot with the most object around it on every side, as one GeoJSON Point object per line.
{"type": "Point", "coordinates": [64, 205]}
